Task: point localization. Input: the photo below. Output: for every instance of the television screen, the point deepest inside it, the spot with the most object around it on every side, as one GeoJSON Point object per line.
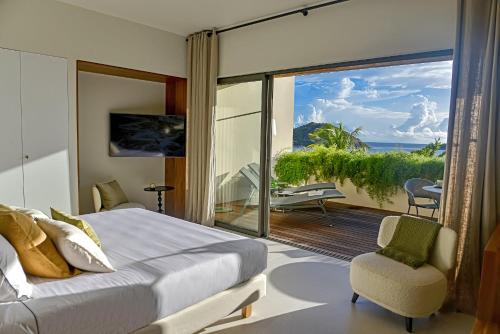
{"type": "Point", "coordinates": [147, 135]}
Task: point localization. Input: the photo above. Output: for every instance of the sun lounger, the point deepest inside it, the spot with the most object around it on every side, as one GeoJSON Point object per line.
{"type": "Point", "coordinates": [311, 199]}
{"type": "Point", "coordinates": [255, 168]}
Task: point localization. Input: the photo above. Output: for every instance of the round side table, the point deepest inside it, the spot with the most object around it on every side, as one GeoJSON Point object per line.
{"type": "Point", "coordinates": [159, 190]}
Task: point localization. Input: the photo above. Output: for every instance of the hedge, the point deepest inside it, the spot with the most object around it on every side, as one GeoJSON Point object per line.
{"type": "Point", "coordinates": [382, 175]}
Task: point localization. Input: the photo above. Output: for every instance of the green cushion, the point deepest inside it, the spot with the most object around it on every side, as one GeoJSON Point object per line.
{"type": "Point", "coordinates": [111, 194]}
{"type": "Point", "coordinates": [77, 222]}
{"type": "Point", "coordinates": [412, 241]}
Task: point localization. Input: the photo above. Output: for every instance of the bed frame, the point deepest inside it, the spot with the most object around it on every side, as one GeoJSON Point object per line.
{"type": "Point", "coordinates": [196, 317]}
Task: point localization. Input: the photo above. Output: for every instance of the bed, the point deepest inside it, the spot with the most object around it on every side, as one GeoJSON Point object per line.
{"type": "Point", "coordinates": [172, 277]}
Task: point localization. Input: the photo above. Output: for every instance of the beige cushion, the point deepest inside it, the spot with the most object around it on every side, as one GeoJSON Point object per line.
{"type": "Point", "coordinates": [111, 194]}
{"type": "Point", "coordinates": [398, 287]}
{"type": "Point", "coordinates": [75, 246]}
{"type": "Point", "coordinates": [97, 199]}
{"type": "Point", "coordinates": [443, 255]}
{"type": "Point", "coordinates": [33, 213]}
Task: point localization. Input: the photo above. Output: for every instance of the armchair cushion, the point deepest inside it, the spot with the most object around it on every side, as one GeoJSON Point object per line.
{"type": "Point", "coordinates": [443, 254]}
{"type": "Point", "coordinates": [412, 241]}
{"type": "Point", "coordinates": [111, 194]}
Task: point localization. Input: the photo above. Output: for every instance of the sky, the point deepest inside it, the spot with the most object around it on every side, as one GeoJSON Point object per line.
{"type": "Point", "coordinates": [393, 104]}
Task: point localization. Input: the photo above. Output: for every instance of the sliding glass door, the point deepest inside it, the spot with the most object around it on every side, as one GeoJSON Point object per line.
{"type": "Point", "coordinates": [241, 146]}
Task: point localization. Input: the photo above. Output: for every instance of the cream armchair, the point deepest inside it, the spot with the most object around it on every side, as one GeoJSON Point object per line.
{"type": "Point", "coordinates": [96, 195]}
{"type": "Point", "coordinates": [399, 288]}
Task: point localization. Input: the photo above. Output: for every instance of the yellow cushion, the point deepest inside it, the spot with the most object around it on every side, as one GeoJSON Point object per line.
{"type": "Point", "coordinates": [111, 194]}
{"type": "Point", "coordinates": [5, 207]}
{"type": "Point", "coordinates": [77, 222]}
{"type": "Point", "coordinates": [37, 253]}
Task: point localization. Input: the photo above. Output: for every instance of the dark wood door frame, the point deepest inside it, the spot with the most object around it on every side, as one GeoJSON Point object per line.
{"type": "Point", "coordinates": [175, 104]}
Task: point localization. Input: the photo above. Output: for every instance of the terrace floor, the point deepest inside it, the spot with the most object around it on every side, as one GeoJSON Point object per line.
{"type": "Point", "coordinates": [344, 232]}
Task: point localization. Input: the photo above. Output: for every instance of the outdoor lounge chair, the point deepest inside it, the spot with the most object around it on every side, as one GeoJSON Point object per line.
{"type": "Point", "coordinates": [314, 199]}
{"type": "Point", "coordinates": [255, 168]}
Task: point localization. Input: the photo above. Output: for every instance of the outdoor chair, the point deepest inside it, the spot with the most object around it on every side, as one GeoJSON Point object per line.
{"type": "Point", "coordinates": [255, 168]}
{"type": "Point", "coordinates": [314, 199]}
{"type": "Point", "coordinates": [414, 189]}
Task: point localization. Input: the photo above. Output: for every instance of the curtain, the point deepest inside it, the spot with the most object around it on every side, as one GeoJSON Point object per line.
{"type": "Point", "coordinates": [202, 63]}
{"type": "Point", "coordinates": [471, 196]}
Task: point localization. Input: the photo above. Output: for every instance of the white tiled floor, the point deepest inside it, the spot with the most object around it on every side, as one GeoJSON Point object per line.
{"type": "Point", "coordinates": [310, 293]}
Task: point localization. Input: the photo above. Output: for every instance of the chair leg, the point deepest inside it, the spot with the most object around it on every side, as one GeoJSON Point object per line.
{"type": "Point", "coordinates": [321, 204]}
{"type": "Point", "coordinates": [354, 297]}
{"type": "Point", "coordinates": [433, 210]}
{"type": "Point", "coordinates": [409, 324]}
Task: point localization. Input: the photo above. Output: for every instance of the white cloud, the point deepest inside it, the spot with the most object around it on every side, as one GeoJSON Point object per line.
{"type": "Point", "coordinates": [428, 75]}
{"type": "Point", "coordinates": [300, 120]}
{"type": "Point", "coordinates": [316, 115]}
{"type": "Point", "coordinates": [422, 114]}
{"type": "Point", "coordinates": [346, 87]}
{"type": "Point", "coordinates": [377, 100]}
{"type": "Point", "coordinates": [423, 122]}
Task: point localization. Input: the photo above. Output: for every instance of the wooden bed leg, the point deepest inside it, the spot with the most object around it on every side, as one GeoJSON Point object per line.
{"type": "Point", "coordinates": [246, 312]}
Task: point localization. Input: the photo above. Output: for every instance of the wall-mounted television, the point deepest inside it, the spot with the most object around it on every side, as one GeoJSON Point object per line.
{"type": "Point", "coordinates": [147, 135]}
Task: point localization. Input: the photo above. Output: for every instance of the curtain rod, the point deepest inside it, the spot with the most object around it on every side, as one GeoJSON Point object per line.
{"type": "Point", "coordinates": [304, 11]}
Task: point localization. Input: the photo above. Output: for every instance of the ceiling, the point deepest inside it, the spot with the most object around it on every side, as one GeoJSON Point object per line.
{"type": "Point", "coordinates": [187, 16]}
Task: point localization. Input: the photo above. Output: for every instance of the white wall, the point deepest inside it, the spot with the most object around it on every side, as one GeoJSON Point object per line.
{"type": "Point", "coordinates": [53, 28]}
{"type": "Point", "coordinates": [100, 95]}
{"type": "Point", "coordinates": [358, 29]}
{"type": "Point", "coordinates": [283, 109]}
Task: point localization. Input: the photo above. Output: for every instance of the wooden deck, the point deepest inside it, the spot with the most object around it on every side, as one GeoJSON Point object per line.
{"type": "Point", "coordinates": [344, 232]}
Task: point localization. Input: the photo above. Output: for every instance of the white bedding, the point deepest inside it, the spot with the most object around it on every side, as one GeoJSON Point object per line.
{"type": "Point", "coordinates": [163, 265]}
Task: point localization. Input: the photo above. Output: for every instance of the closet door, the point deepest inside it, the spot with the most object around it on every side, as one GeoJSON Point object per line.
{"type": "Point", "coordinates": [44, 100]}
{"type": "Point", "coordinates": [11, 169]}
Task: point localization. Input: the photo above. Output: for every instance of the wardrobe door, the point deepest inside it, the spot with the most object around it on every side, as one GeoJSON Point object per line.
{"type": "Point", "coordinates": [11, 169]}
{"type": "Point", "coordinates": [44, 100]}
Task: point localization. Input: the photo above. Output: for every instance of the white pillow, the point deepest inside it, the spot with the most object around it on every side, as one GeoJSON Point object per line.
{"type": "Point", "coordinates": [33, 213]}
{"type": "Point", "coordinates": [14, 285]}
{"type": "Point", "coordinates": [75, 246]}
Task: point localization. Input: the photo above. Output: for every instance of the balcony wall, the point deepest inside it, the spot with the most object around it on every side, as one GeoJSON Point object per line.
{"type": "Point", "coordinates": [359, 197]}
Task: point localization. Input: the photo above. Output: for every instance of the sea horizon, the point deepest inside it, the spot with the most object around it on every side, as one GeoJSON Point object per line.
{"type": "Point", "coordinates": [380, 147]}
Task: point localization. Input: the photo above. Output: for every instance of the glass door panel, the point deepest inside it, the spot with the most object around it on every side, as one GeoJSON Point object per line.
{"type": "Point", "coordinates": [238, 124]}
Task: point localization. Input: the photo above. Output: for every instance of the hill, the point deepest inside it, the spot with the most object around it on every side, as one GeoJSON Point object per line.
{"type": "Point", "coordinates": [301, 134]}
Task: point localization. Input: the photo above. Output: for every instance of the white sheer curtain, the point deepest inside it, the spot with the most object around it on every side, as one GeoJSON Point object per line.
{"type": "Point", "coordinates": [202, 62]}
{"type": "Point", "coordinates": [471, 197]}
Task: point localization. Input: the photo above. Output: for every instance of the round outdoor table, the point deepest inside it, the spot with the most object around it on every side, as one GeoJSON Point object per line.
{"type": "Point", "coordinates": [159, 190]}
{"type": "Point", "coordinates": [433, 189]}
{"type": "Point", "coordinates": [436, 191]}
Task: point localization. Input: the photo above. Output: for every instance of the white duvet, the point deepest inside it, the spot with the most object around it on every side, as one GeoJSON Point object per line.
{"type": "Point", "coordinates": [163, 265]}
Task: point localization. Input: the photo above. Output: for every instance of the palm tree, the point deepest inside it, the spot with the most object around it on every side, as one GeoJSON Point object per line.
{"type": "Point", "coordinates": [339, 137]}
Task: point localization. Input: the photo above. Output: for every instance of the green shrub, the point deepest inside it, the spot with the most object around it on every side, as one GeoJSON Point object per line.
{"type": "Point", "coordinates": [382, 175]}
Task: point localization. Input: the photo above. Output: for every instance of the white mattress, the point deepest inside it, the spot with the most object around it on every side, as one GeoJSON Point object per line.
{"type": "Point", "coordinates": [163, 265]}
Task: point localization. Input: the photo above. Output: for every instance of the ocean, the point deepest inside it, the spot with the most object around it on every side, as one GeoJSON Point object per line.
{"type": "Point", "coordinates": [388, 147]}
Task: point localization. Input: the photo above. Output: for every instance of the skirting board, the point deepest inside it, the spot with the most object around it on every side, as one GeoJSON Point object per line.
{"type": "Point", "coordinates": [210, 310]}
